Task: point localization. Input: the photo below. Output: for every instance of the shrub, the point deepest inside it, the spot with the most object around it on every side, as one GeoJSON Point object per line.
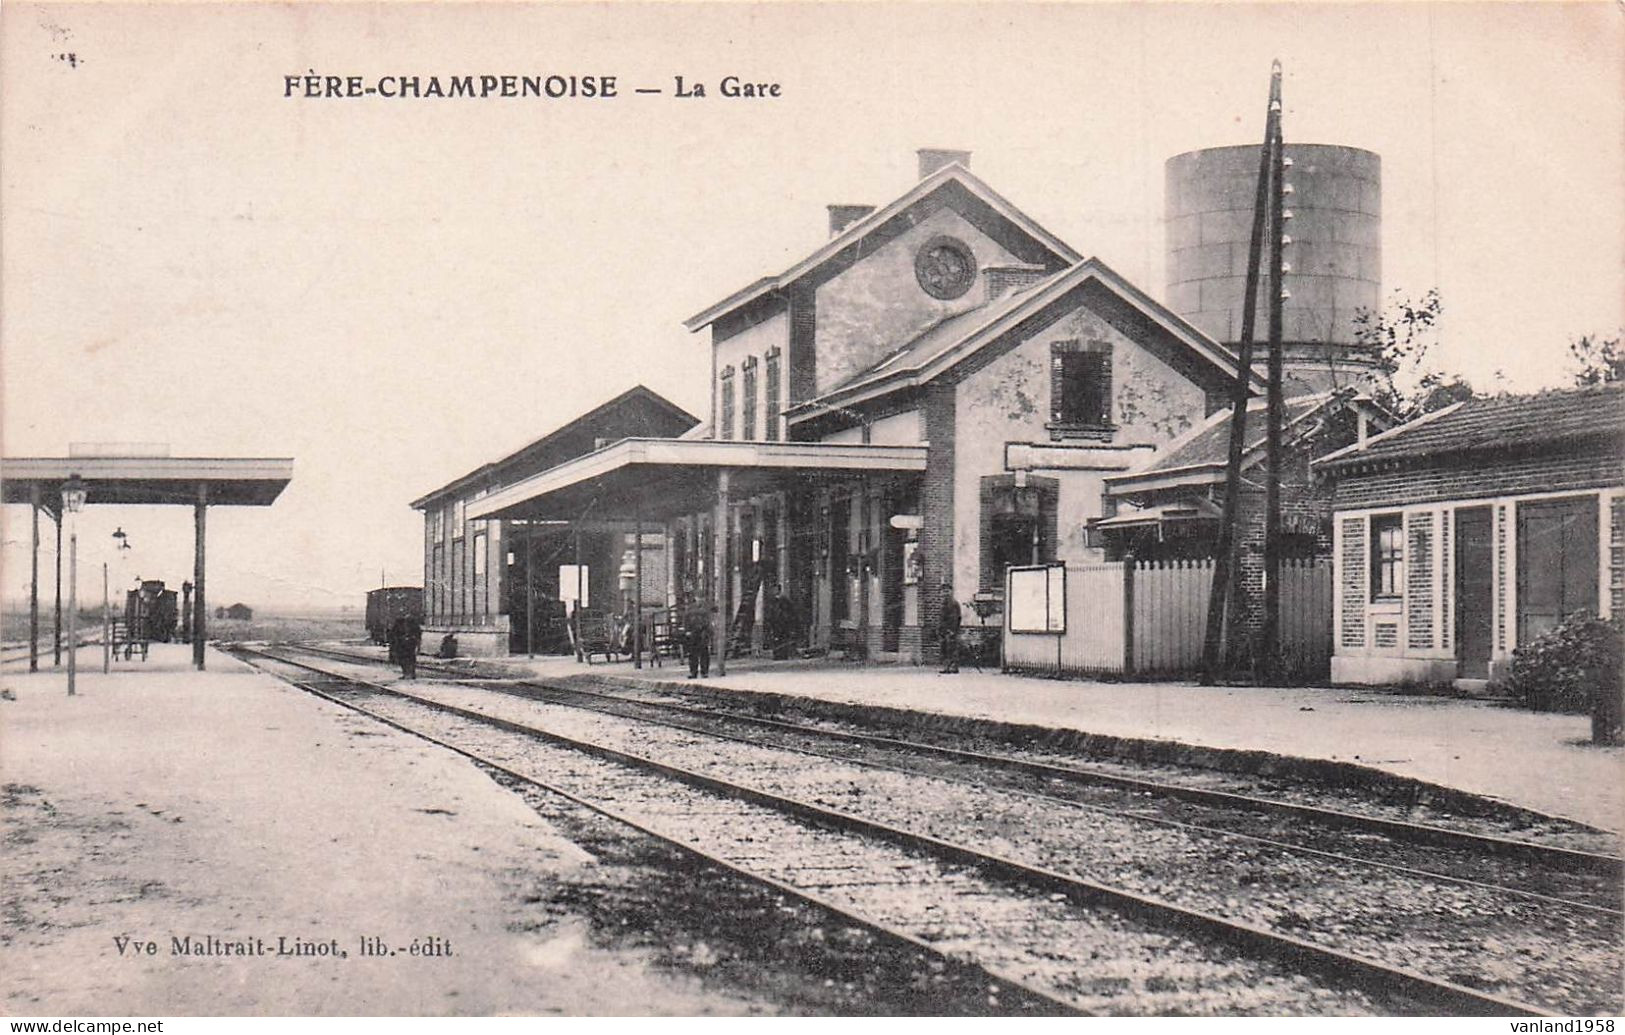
{"type": "Point", "coordinates": [1575, 668]}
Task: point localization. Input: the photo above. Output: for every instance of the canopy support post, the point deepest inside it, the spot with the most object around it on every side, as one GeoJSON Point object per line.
{"type": "Point", "coordinates": [33, 581]}
{"type": "Point", "coordinates": [637, 587]}
{"type": "Point", "coordinates": [719, 638]}
{"type": "Point", "coordinates": [199, 614]}
{"type": "Point", "coordinates": [56, 622]}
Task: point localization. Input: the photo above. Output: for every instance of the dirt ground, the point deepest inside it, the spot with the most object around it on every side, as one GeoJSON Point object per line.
{"type": "Point", "coordinates": [169, 804]}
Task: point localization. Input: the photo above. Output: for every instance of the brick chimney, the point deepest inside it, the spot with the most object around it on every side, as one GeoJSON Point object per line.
{"type": "Point", "coordinates": [843, 216]}
{"type": "Point", "coordinates": [1001, 280]}
{"type": "Point", "coordinates": [934, 158]}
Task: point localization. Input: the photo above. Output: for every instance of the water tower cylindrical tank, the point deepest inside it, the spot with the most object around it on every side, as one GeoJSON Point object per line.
{"type": "Point", "coordinates": [1336, 230]}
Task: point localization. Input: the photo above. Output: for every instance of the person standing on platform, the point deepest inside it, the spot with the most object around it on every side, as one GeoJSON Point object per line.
{"type": "Point", "coordinates": [405, 637]}
{"type": "Point", "coordinates": [697, 638]}
{"type": "Point", "coordinates": [780, 621]}
{"type": "Point", "coordinates": [948, 623]}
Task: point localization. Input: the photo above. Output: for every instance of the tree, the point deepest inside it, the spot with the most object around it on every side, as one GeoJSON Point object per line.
{"type": "Point", "coordinates": [1597, 360]}
{"type": "Point", "coordinates": [1399, 337]}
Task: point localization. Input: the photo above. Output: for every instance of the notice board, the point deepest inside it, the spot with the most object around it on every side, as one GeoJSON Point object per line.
{"type": "Point", "coordinates": [1036, 598]}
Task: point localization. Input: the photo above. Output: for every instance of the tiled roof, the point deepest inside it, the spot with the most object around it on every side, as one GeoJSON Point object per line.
{"type": "Point", "coordinates": [947, 342]}
{"type": "Point", "coordinates": [1495, 423]}
{"type": "Point", "coordinates": [1211, 443]}
{"type": "Point", "coordinates": [544, 452]}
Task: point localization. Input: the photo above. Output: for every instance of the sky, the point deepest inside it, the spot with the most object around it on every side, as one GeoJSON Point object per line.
{"type": "Point", "coordinates": [395, 291]}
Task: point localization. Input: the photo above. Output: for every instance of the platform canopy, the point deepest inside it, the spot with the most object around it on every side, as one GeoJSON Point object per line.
{"type": "Point", "coordinates": [661, 478]}
{"type": "Point", "coordinates": [133, 480]}
{"type": "Point", "coordinates": [155, 480]}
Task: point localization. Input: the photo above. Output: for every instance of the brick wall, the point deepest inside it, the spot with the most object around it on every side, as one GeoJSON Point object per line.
{"type": "Point", "coordinates": [937, 507]}
{"type": "Point", "coordinates": [1501, 577]}
{"type": "Point", "coordinates": [1419, 580]}
{"type": "Point", "coordinates": [1479, 478]}
{"type": "Point", "coordinates": [1616, 556]}
{"type": "Point", "coordinates": [1446, 622]}
{"type": "Point", "coordinates": [1352, 536]}
{"type": "Point", "coordinates": [1249, 573]}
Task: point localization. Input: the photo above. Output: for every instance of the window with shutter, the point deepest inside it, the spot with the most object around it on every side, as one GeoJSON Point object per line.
{"type": "Point", "coordinates": [1080, 389]}
{"type": "Point", "coordinates": [726, 431]}
{"type": "Point", "coordinates": [770, 413]}
{"type": "Point", "coordinates": [747, 430]}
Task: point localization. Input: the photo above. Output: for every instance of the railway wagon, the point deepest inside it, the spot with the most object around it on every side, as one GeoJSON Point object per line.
{"type": "Point", "coordinates": [389, 603]}
{"type": "Point", "coordinates": [150, 613]}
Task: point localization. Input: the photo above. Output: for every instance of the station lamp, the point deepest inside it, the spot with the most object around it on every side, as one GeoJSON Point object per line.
{"type": "Point", "coordinates": [73, 494]}
{"type": "Point", "coordinates": [73, 501]}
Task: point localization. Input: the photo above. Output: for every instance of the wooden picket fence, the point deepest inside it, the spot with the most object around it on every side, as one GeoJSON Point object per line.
{"type": "Point", "coordinates": [1150, 622]}
{"type": "Point", "coordinates": [1170, 615]}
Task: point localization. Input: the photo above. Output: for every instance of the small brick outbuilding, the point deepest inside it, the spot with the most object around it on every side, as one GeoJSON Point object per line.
{"type": "Point", "coordinates": [1471, 531]}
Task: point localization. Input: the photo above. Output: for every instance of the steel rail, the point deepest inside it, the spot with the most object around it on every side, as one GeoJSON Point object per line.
{"type": "Point", "coordinates": [1133, 817]}
{"type": "Point", "coordinates": [15, 653]}
{"type": "Point", "coordinates": [1334, 965]}
{"type": "Point", "coordinates": [1569, 859]}
{"type": "Point", "coordinates": [1042, 1002]}
{"type": "Point", "coordinates": [1573, 860]}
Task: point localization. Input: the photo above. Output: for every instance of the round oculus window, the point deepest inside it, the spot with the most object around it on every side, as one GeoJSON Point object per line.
{"type": "Point", "coordinates": [945, 267]}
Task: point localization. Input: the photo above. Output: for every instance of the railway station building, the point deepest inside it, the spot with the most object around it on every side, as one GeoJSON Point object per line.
{"type": "Point", "coordinates": [941, 389]}
{"type": "Point", "coordinates": [502, 586]}
{"type": "Point", "coordinates": [1473, 530]}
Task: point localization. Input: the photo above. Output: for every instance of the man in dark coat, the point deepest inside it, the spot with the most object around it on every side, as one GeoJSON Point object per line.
{"type": "Point", "coordinates": [948, 622]}
{"type": "Point", "coordinates": [405, 636]}
{"type": "Point", "coordinates": [697, 638]}
{"type": "Point", "coordinates": [780, 623]}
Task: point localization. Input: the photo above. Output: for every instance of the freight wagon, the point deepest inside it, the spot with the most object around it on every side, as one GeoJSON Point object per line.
{"type": "Point", "coordinates": [150, 613]}
{"type": "Point", "coordinates": [387, 604]}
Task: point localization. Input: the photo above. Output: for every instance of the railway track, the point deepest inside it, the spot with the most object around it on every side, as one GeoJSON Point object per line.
{"type": "Point", "coordinates": [1600, 873]}
{"type": "Point", "coordinates": [1011, 876]}
{"type": "Point", "coordinates": [10, 653]}
{"type": "Point", "coordinates": [901, 972]}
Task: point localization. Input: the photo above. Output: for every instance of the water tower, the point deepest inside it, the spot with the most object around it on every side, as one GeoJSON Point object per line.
{"type": "Point", "coordinates": [1335, 255]}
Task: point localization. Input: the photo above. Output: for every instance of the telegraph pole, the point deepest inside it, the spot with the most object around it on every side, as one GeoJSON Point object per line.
{"type": "Point", "coordinates": [1269, 641]}
{"type": "Point", "coordinates": [1221, 597]}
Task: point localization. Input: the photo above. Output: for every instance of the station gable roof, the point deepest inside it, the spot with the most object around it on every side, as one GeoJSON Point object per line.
{"type": "Point", "coordinates": [846, 247]}
{"type": "Point", "coordinates": [959, 338]}
{"type": "Point", "coordinates": [637, 412]}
